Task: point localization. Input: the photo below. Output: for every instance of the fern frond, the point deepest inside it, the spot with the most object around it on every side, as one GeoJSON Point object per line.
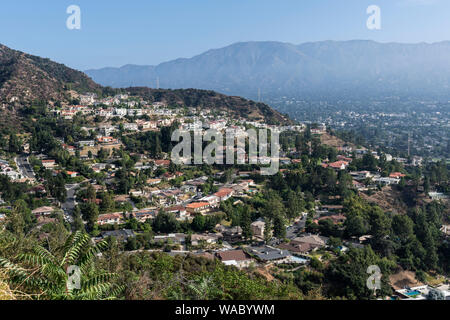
{"type": "Point", "coordinates": [80, 240]}
{"type": "Point", "coordinates": [87, 258]}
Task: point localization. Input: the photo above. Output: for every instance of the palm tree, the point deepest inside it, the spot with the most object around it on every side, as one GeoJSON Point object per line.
{"type": "Point", "coordinates": [45, 276]}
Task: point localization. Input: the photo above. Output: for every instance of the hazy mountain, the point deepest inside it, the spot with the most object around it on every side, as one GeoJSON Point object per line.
{"type": "Point", "coordinates": [311, 69]}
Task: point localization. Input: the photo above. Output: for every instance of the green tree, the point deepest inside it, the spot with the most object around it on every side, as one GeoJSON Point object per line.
{"type": "Point", "coordinates": [20, 220]}
{"type": "Point", "coordinates": [14, 144]}
{"type": "Point", "coordinates": [295, 205]}
{"type": "Point", "coordinates": [165, 222]}
{"type": "Point", "coordinates": [268, 230]}
{"type": "Point", "coordinates": [347, 275]}
{"type": "Point", "coordinates": [356, 225]}
{"type": "Point", "coordinates": [279, 227]}
{"type": "Point", "coordinates": [77, 220]}
{"type": "Point", "coordinates": [245, 223]}
{"type": "Point", "coordinates": [90, 214]}
{"type": "Point", "coordinates": [198, 223]}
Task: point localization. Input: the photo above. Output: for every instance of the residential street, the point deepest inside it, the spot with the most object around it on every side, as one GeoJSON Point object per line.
{"type": "Point", "coordinates": [70, 203]}
{"type": "Point", "coordinates": [24, 167]}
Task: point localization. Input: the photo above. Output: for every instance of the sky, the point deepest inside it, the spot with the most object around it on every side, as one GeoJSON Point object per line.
{"type": "Point", "coordinates": [148, 32]}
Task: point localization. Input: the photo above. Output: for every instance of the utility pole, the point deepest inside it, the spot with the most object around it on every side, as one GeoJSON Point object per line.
{"type": "Point", "coordinates": [259, 94]}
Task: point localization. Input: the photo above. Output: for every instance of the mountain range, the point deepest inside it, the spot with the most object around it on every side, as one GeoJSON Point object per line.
{"type": "Point", "coordinates": [356, 68]}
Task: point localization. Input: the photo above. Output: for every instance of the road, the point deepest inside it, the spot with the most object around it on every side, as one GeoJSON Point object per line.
{"type": "Point", "coordinates": [24, 167]}
{"type": "Point", "coordinates": [70, 203]}
{"type": "Point", "coordinates": [293, 231]}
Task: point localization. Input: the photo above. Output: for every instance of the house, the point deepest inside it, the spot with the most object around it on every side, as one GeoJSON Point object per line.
{"type": "Point", "coordinates": [397, 175]}
{"type": "Point", "coordinates": [144, 215]}
{"type": "Point", "coordinates": [72, 174]}
{"type": "Point", "coordinates": [145, 125]}
{"type": "Point", "coordinates": [197, 239]}
{"type": "Point", "coordinates": [361, 175]}
{"type": "Point", "coordinates": [197, 207]}
{"type": "Point", "coordinates": [135, 112]}
{"type": "Point", "coordinates": [107, 113]}
{"type": "Point", "coordinates": [258, 228]}
{"type": "Point", "coordinates": [230, 235]}
{"type": "Point", "coordinates": [213, 201]}
{"type": "Point", "coordinates": [224, 194]}
{"type": "Point", "coordinates": [171, 195]}
{"type": "Point", "coordinates": [188, 188]}
{"type": "Point", "coordinates": [268, 253]}
{"type": "Point", "coordinates": [247, 183]}
{"type": "Point", "coordinates": [109, 218]}
{"type": "Point", "coordinates": [437, 196]}
{"type": "Point", "coordinates": [43, 211]}
{"type": "Point", "coordinates": [14, 175]}
{"type": "Point", "coordinates": [138, 193]}
{"type": "Point", "coordinates": [177, 238]}
{"type": "Point", "coordinates": [106, 140]}
{"type": "Point", "coordinates": [86, 143]}
{"type": "Point", "coordinates": [338, 165]}
{"type": "Point", "coordinates": [358, 185]}
{"type": "Point", "coordinates": [236, 258]}
{"type": "Point", "coordinates": [312, 239]}
{"type": "Point", "coordinates": [386, 181]}
{"type": "Point", "coordinates": [162, 163]}
{"type": "Point", "coordinates": [153, 181]}
{"type": "Point", "coordinates": [120, 112]}
{"type": "Point", "coordinates": [217, 125]}
{"type": "Point", "coordinates": [179, 211]}
{"type": "Point", "coordinates": [39, 189]}
{"type": "Point", "coordinates": [344, 158]}
{"type": "Point", "coordinates": [121, 235]}
{"type": "Point", "coordinates": [169, 176]}
{"type": "Point", "coordinates": [48, 164]}
{"type": "Point", "coordinates": [332, 207]}
{"type": "Point", "coordinates": [130, 126]}
{"type": "Point", "coordinates": [97, 167]}
{"type": "Point", "coordinates": [336, 218]}
{"type": "Point", "coordinates": [70, 149]}
{"type": "Point", "coordinates": [298, 247]}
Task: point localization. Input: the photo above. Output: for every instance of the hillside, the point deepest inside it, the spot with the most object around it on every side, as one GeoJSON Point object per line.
{"type": "Point", "coordinates": [237, 106]}
{"type": "Point", "coordinates": [324, 69]}
{"type": "Point", "coordinates": [25, 78]}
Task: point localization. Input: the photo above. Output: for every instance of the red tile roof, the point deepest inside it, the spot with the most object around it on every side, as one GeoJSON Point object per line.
{"type": "Point", "coordinates": [223, 192]}
{"type": "Point", "coordinates": [196, 205]}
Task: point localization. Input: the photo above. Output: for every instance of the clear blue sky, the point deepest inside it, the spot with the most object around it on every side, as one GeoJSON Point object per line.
{"type": "Point", "coordinates": [116, 32]}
